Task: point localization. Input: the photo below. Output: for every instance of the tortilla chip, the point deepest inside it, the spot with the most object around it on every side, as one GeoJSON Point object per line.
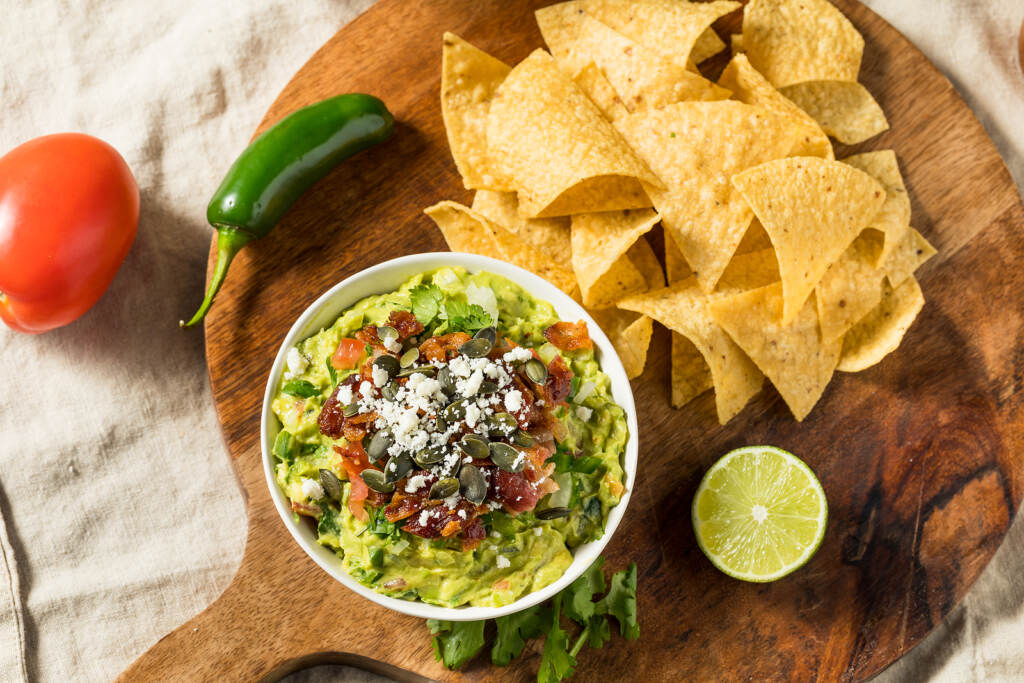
{"type": "Point", "coordinates": [465, 230]}
{"type": "Point", "coordinates": [748, 86]}
{"type": "Point", "coordinates": [550, 234]}
{"type": "Point", "coordinates": [645, 260]}
{"type": "Point", "coordinates": [736, 43]}
{"type": "Point", "coordinates": [599, 243]}
{"type": "Point", "coordinates": [893, 219]}
{"type": "Point", "coordinates": [600, 91]}
{"type": "Point", "coordinates": [469, 79]}
{"type": "Point", "coordinates": [845, 110]}
{"type": "Point", "coordinates": [676, 267]}
{"type": "Point", "coordinates": [791, 41]}
{"type": "Point", "coordinates": [691, 375]}
{"type": "Point", "coordinates": [812, 209]}
{"type": "Point", "coordinates": [793, 357]}
{"type": "Point", "coordinates": [562, 155]}
{"type": "Point", "coordinates": [630, 334]}
{"type": "Point", "coordinates": [559, 26]}
{"type": "Point", "coordinates": [707, 46]}
{"type": "Point", "coordinates": [750, 271]}
{"type": "Point", "coordinates": [907, 256]}
{"type": "Point", "coordinates": [695, 147]}
{"type": "Point", "coordinates": [850, 288]}
{"type": "Point", "coordinates": [882, 330]}
{"type": "Point", "coordinates": [754, 239]}
{"type": "Point", "coordinates": [669, 27]}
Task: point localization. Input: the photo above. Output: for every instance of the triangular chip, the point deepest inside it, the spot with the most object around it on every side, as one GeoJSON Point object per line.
{"type": "Point", "coordinates": [695, 147]}
{"type": "Point", "coordinates": [736, 43]}
{"type": "Point", "coordinates": [850, 288]}
{"type": "Point", "coordinates": [792, 356]}
{"type": "Point", "coordinates": [599, 243]}
{"type": "Point", "coordinates": [882, 330]}
{"type": "Point", "coordinates": [550, 234]}
{"type": "Point", "coordinates": [748, 86]}
{"type": "Point", "coordinates": [646, 261]}
{"type": "Point", "coordinates": [671, 28]}
{"type": "Point", "coordinates": [630, 334]}
{"type": "Point", "coordinates": [893, 219]}
{"type": "Point", "coordinates": [691, 376]}
{"type": "Point", "coordinates": [600, 91]}
{"type": "Point", "coordinates": [754, 239]}
{"type": "Point", "coordinates": [465, 230]}
{"type": "Point", "coordinates": [708, 45]}
{"type": "Point", "coordinates": [559, 26]}
{"type": "Point", "coordinates": [676, 267]}
{"type": "Point", "coordinates": [845, 110]}
{"type": "Point", "coordinates": [469, 79]}
{"type": "Point", "coordinates": [812, 209]}
{"type": "Point", "coordinates": [791, 41]}
{"type": "Point", "coordinates": [562, 155]}
{"type": "Point", "coordinates": [907, 256]}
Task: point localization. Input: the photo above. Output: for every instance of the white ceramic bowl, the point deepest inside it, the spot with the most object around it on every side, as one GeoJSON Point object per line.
{"type": "Point", "coordinates": [386, 277]}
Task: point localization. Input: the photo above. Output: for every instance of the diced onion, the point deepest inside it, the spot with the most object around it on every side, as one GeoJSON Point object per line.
{"type": "Point", "coordinates": [585, 390]}
{"type": "Point", "coordinates": [483, 297]}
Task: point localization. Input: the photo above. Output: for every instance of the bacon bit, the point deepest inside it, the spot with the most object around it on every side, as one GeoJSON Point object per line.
{"type": "Point", "coordinates": [528, 412]}
{"type": "Point", "coordinates": [332, 416]}
{"type": "Point", "coordinates": [559, 382]}
{"type": "Point", "coordinates": [355, 427]}
{"type": "Point", "coordinates": [513, 490]}
{"type": "Point", "coordinates": [405, 323]}
{"type": "Point", "coordinates": [473, 535]}
{"type": "Point", "coordinates": [368, 335]}
{"type": "Point", "coordinates": [307, 509]}
{"type": "Point", "coordinates": [569, 336]}
{"type": "Point", "coordinates": [438, 348]}
{"type": "Point", "coordinates": [395, 584]}
{"type": "Point", "coordinates": [443, 522]}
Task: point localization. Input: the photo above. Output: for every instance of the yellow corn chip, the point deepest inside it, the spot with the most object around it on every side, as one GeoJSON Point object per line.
{"type": "Point", "coordinates": [559, 26]}
{"type": "Point", "coordinates": [630, 334]}
{"type": "Point", "coordinates": [600, 91]}
{"type": "Point", "coordinates": [893, 219]}
{"type": "Point", "coordinates": [469, 79]}
{"type": "Point", "coordinates": [676, 267]}
{"type": "Point", "coordinates": [671, 28]}
{"type": "Point", "coordinates": [793, 357]}
{"type": "Point", "coordinates": [845, 110]}
{"type": "Point", "coordinates": [550, 234]}
{"type": "Point", "coordinates": [736, 43]}
{"type": "Point", "coordinates": [748, 86]}
{"type": "Point", "coordinates": [754, 239]}
{"type": "Point", "coordinates": [850, 288]}
{"type": "Point", "coordinates": [907, 256]}
{"type": "Point", "coordinates": [465, 230]}
{"type": "Point", "coordinates": [562, 155]}
{"type": "Point", "coordinates": [691, 376]}
{"type": "Point", "coordinates": [791, 41]}
{"type": "Point", "coordinates": [708, 45]}
{"type": "Point", "coordinates": [599, 243]}
{"type": "Point", "coordinates": [749, 271]}
{"type": "Point", "coordinates": [645, 260]}
{"type": "Point", "coordinates": [695, 147]}
{"type": "Point", "coordinates": [812, 209]}
{"type": "Point", "coordinates": [882, 330]}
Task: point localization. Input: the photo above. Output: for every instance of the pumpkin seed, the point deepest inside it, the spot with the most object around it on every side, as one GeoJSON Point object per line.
{"type": "Point", "coordinates": [523, 439]}
{"type": "Point", "coordinates": [488, 333]}
{"type": "Point", "coordinates": [390, 391]}
{"type": "Point", "coordinates": [377, 481]}
{"type": "Point", "coordinates": [443, 488]}
{"type": "Point", "coordinates": [379, 445]}
{"type": "Point", "coordinates": [536, 371]}
{"type": "Point", "coordinates": [507, 457]}
{"type": "Point", "coordinates": [409, 357]}
{"type": "Point", "coordinates": [388, 364]}
{"type": "Point", "coordinates": [425, 369]}
{"type": "Point", "coordinates": [502, 423]}
{"type": "Point", "coordinates": [475, 446]}
{"type": "Point", "coordinates": [477, 347]}
{"type": "Point", "coordinates": [429, 456]}
{"type": "Point", "coordinates": [487, 387]}
{"type": "Point", "coordinates": [351, 409]}
{"type": "Point", "coordinates": [473, 484]}
{"type": "Point", "coordinates": [331, 484]}
{"type": "Point", "coordinates": [455, 411]}
{"type": "Point", "coordinates": [442, 426]}
{"type": "Point", "coordinates": [387, 332]}
{"type": "Point", "coordinates": [444, 376]}
{"type": "Point", "coordinates": [552, 513]}
{"type": "Point", "coordinates": [398, 466]}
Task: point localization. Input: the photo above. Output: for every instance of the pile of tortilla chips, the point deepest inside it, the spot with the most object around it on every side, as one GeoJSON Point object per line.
{"type": "Point", "coordinates": [781, 261]}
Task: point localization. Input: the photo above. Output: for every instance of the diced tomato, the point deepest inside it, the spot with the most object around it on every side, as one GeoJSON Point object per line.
{"type": "Point", "coordinates": [348, 354]}
{"type": "Point", "coordinates": [569, 336]}
{"type": "Point", "coordinates": [354, 460]}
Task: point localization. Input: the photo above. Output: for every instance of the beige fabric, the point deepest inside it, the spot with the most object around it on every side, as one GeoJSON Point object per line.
{"type": "Point", "coordinates": [120, 515]}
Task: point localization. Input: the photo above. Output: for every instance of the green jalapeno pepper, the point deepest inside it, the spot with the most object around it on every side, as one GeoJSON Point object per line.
{"type": "Point", "coordinates": [281, 164]}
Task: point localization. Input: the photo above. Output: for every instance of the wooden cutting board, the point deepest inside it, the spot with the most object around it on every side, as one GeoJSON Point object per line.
{"type": "Point", "coordinates": [921, 456]}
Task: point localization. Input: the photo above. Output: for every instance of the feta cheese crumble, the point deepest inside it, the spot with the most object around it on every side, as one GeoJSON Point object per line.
{"type": "Point", "coordinates": [514, 401]}
{"type": "Point", "coordinates": [502, 562]}
{"type": "Point", "coordinates": [520, 354]}
{"type": "Point", "coordinates": [312, 489]}
{"type": "Point", "coordinates": [296, 362]}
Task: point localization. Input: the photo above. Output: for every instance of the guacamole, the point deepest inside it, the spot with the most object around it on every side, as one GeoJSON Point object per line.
{"type": "Point", "coordinates": [452, 441]}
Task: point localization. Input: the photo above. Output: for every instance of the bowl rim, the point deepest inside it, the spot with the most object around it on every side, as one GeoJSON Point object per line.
{"type": "Point", "coordinates": [330, 304]}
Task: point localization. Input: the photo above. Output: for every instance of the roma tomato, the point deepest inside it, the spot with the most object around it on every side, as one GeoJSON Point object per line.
{"type": "Point", "coordinates": [348, 354]}
{"type": "Point", "coordinates": [69, 210]}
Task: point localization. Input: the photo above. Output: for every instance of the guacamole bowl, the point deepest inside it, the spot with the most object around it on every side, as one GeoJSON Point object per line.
{"type": "Point", "coordinates": [388, 277]}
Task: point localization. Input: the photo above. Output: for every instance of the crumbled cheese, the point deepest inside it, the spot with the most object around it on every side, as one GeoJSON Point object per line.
{"type": "Point", "coordinates": [345, 395]}
{"type": "Point", "coordinates": [415, 483]}
{"type": "Point", "coordinates": [470, 386]}
{"type": "Point", "coordinates": [537, 531]}
{"type": "Point", "coordinates": [424, 517]}
{"type": "Point", "coordinates": [428, 387]}
{"type": "Point", "coordinates": [519, 354]}
{"type": "Point", "coordinates": [366, 389]}
{"type": "Point", "coordinates": [392, 345]}
{"type": "Point", "coordinates": [312, 489]}
{"type": "Point", "coordinates": [514, 401]}
{"type": "Point", "coordinates": [297, 363]}
{"type": "Point", "coordinates": [462, 514]}
{"type": "Point", "coordinates": [472, 415]}
{"type": "Point", "coordinates": [584, 413]}
{"type": "Point", "coordinates": [502, 562]}
{"type": "Point", "coordinates": [380, 376]}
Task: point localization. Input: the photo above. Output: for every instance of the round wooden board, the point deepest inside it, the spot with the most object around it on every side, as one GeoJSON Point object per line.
{"type": "Point", "coordinates": [921, 456]}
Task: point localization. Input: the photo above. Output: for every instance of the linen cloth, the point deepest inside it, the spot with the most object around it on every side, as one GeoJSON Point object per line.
{"type": "Point", "coordinates": [119, 515]}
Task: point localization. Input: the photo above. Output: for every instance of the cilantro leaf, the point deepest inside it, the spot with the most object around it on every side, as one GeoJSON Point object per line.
{"type": "Point", "coordinates": [328, 523]}
{"type": "Point", "coordinates": [283, 446]}
{"type": "Point", "coordinates": [598, 632]}
{"type": "Point", "coordinates": [565, 461]}
{"type": "Point", "coordinates": [426, 302]}
{"type": "Point", "coordinates": [301, 388]}
{"type": "Point", "coordinates": [577, 599]}
{"type": "Point", "coordinates": [556, 663]}
{"type": "Point", "coordinates": [513, 632]}
{"type": "Point", "coordinates": [332, 372]}
{"type": "Point", "coordinates": [621, 601]}
{"type": "Point", "coordinates": [456, 642]}
{"type": "Point", "coordinates": [465, 317]}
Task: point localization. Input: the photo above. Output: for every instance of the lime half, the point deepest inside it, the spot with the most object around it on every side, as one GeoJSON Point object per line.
{"type": "Point", "coordinates": [759, 513]}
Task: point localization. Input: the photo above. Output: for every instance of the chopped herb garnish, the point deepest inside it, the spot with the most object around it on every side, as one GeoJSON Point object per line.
{"type": "Point", "coordinates": [283, 446]}
{"type": "Point", "coordinates": [308, 449]}
{"type": "Point", "coordinates": [301, 388]}
{"type": "Point", "coordinates": [426, 303]}
{"type": "Point", "coordinates": [377, 558]}
{"type": "Point", "coordinates": [621, 602]}
{"type": "Point", "coordinates": [565, 461]}
{"type": "Point", "coordinates": [465, 317]}
{"type": "Point", "coordinates": [514, 630]}
{"type": "Point", "coordinates": [332, 372]}
{"type": "Point", "coordinates": [456, 642]}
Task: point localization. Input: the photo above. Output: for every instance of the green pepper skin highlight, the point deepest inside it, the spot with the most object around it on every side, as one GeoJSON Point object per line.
{"type": "Point", "coordinates": [280, 165]}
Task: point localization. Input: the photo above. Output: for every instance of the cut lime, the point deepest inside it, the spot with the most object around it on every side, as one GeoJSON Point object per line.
{"type": "Point", "coordinates": [759, 513]}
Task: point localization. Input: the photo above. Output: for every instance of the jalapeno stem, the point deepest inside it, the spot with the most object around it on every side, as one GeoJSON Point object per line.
{"type": "Point", "coordinates": [230, 241]}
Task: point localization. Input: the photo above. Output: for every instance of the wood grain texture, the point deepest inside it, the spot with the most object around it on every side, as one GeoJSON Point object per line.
{"type": "Point", "coordinates": [921, 456]}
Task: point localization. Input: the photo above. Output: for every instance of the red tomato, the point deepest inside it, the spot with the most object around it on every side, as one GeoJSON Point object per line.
{"type": "Point", "coordinates": [348, 354]}
{"type": "Point", "coordinates": [69, 209]}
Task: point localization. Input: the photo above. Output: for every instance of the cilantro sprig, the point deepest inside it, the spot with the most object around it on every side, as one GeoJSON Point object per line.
{"type": "Point", "coordinates": [455, 643]}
